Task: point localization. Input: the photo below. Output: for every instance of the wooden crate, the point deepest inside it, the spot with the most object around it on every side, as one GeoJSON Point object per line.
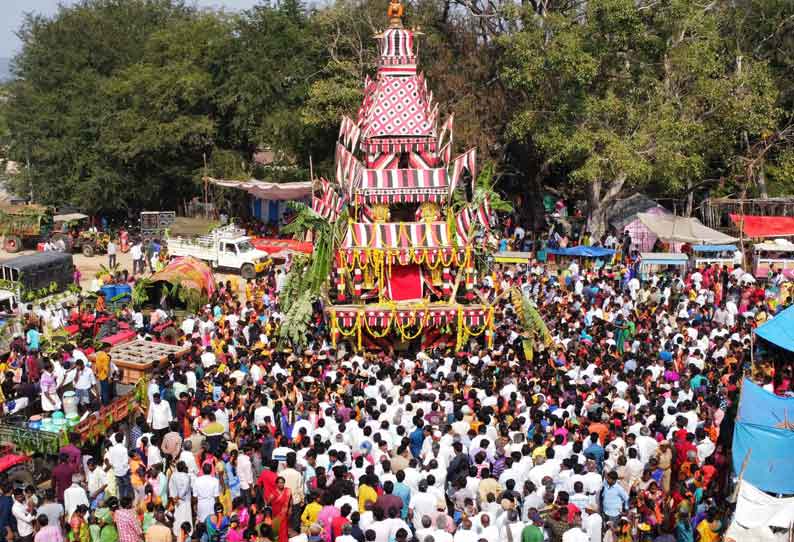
{"type": "Point", "coordinates": [138, 357]}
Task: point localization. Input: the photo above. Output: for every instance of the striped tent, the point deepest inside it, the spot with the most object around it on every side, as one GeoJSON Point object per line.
{"type": "Point", "coordinates": [397, 235]}
{"type": "Point", "coordinates": [402, 186]}
{"type": "Point", "coordinates": [397, 52]}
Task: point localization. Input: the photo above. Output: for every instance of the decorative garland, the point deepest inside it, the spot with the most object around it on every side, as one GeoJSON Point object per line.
{"type": "Point", "coordinates": [386, 328]}
{"type": "Point", "coordinates": [356, 329]}
{"type": "Point", "coordinates": [423, 323]}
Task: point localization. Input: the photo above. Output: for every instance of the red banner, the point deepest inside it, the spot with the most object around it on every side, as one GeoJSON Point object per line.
{"type": "Point", "coordinates": [275, 246]}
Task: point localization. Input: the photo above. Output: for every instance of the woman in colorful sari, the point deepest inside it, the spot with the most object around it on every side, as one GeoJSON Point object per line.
{"type": "Point", "coordinates": [280, 500]}
{"type": "Point", "coordinates": [216, 525]}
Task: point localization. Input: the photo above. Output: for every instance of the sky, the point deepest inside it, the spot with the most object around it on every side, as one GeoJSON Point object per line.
{"type": "Point", "coordinates": [12, 13]}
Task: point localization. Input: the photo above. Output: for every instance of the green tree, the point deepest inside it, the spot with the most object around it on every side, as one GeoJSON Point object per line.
{"type": "Point", "coordinates": [625, 97]}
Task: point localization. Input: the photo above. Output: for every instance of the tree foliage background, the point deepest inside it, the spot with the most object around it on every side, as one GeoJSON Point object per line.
{"type": "Point", "coordinates": [118, 103]}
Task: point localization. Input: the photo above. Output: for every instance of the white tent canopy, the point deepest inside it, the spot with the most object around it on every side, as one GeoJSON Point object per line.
{"type": "Point", "coordinates": [679, 229]}
{"type": "Point", "coordinates": [267, 190]}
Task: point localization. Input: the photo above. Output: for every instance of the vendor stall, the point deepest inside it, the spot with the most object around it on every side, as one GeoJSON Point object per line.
{"type": "Point", "coordinates": [662, 262]}
{"type": "Point", "coordinates": [708, 255]}
{"type": "Point", "coordinates": [680, 229]}
{"type": "Point", "coordinates": [775, 255]}
{"type": "Point", "coordinates": [594, 257]}
{"type": "Point", "coordinates": [757, 226]}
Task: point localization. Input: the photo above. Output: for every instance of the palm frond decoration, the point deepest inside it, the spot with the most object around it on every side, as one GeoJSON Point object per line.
{"type": "Point", "coordinates": [485, 187]}
{"type": "Point", "coordinates": [308, 275]}
{"type": "Point", "coordinates": [531, 320]}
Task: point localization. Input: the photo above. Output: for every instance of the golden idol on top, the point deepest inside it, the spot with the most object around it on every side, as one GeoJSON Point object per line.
{"type": "Point", "coordinates": [395, 13]}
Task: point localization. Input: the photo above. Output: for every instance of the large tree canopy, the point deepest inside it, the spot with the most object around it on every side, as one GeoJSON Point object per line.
{"type": "Point", "coordinates": [124, 103]}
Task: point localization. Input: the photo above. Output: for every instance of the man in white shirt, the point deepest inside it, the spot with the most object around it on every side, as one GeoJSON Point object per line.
{"type": "Point", "coordinates": [96, 481]}
{"type": "Point", "coordinates": [575, 533]}
{"type": "Point", "coordinates": [189, 459]}
{"type": "Point", "coordinates": [206, 490]}
{"type": "Point", "coordinates": [188, 326]}
{"type": "Point", "coordinates": [137, 258]}
{"type": "Point", "coordinates": [74, 496]}
{"type": "Point", "coordinates": [119, 459]}
{"type": "Point", "coordinates": [208, 359]}
{"type": "Point", "coordinates": [422, 503]}
{"type": "Point", "coordinates": [84, 380]}
{"type": "Point", "coordinates": [159, 416]}
{"type": "Point", "coordinates": [23, 513]}
{"type": "Point", "coordinates": [245, 471]}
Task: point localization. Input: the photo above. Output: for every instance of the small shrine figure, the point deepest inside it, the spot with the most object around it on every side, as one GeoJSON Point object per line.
{"type": "Point", "coordinates": [395, 13]}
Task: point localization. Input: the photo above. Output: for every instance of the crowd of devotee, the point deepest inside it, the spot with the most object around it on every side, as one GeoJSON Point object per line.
{"type": "Point", "coordinates": [618, 430]}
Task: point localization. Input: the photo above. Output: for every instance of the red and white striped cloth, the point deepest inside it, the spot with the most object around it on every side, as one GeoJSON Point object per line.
{"type": "Point", "coordinates": [397, 235]}
{"type": "Point", "coordinates": [463, 222]}
{"type": "Point", "coordinates": [329, 204]}
{"type": "Point", "coordinates": [402, 186]}
{"type": "Point", "coordinates": [467, 160]}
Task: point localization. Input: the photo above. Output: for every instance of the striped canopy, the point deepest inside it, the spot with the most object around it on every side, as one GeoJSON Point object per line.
{"type": "Point", "coordinates": [402, 186]}
{"type": "Point", "coordinates": [397, 235]}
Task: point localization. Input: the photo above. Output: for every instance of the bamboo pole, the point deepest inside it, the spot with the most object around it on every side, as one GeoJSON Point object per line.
{"type": "Point", "coordinates": [735, 493]}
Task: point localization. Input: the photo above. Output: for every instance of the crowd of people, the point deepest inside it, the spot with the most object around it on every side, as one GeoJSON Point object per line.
{"type": "Point", "coordinates": [618, 430]}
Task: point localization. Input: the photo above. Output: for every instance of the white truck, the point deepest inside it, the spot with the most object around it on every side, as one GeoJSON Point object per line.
{"type": "Point", "coordinates": [227, 247]}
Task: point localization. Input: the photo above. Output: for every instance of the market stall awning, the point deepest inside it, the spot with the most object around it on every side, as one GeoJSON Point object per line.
{"type": "Point", "coordinates": [779, 330]}
{"type": "Point", "coordinates": [764, 226]}
{"type": "Point", "coordinates": [397, 235]}
{"type": "Point", "coordinates": [69, 217]}
{"type": "Point", "coordinates": [664, 258]}
{"type": "Point", "coordinates": [778, 245]}
{"type": "Point", "coordinates": [402, 186]}
{"type": "Point", "coordinates": [266, 190]}
{"type": "Point", "coordinates": [679, 229]}
{"type": "Point", "coordinates": [763, 434]}
{"type": "Point", "coordinates": [189, 273]}
{"type": "Point", "coordinates": [512, 256]}
{"type": "Point", "coordinates": [714, 248]}
{"type": "Point", "coordinates": [582, 252]}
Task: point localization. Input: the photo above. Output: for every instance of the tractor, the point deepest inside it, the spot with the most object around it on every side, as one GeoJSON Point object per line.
{"type": "Point", "coordinates": [21, 224]}
{"type": "Point", "coordinates": [74, 231]}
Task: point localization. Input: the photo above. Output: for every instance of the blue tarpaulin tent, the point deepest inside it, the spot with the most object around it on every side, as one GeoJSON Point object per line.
{"type": "Point", "coordinates": [779, 331]}
{"type": "Point", "coordinates": [582, 252]}
{"type": "Point", "coordinates": [764, 427]}
{"type": "Point", "coordinates": [714, 248]}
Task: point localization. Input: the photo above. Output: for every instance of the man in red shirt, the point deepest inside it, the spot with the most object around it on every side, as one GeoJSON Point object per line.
{"type": "Point", "coordinates": [267, 479]}
{"type": "Point", "coordinates": [340, 521]}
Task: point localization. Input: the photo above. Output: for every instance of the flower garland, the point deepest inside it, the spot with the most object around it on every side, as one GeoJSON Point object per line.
{"type": "Point", "coordinates": [411, 321]}
{"type": "Point", "coordinates": [336, 328]}
{"type": "Point", "coordinates": [386, 328]}
{"type": "Point", "coordinates": [464, 331]}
